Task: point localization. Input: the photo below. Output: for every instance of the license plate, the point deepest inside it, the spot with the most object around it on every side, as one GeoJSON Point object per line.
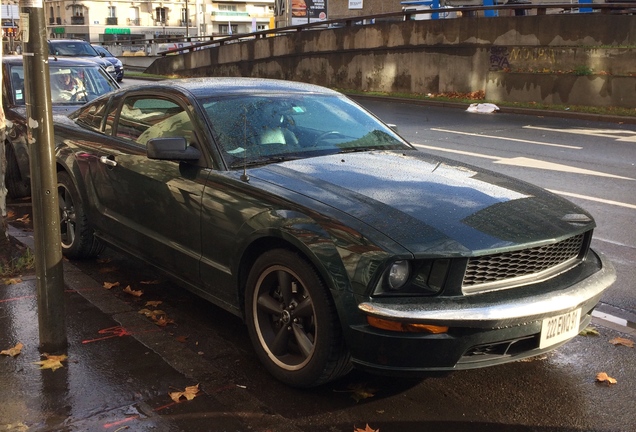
{"type": "Point", "coordinates": [559, 328]}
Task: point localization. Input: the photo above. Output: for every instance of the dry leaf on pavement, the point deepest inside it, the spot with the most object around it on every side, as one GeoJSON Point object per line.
{"type": "Point", "coordinates": [603, 377]}
{"type": "Point", "coordinates": [52, 362]}
{"type": "Point", "coordinates": [12, 281]}
{"type": "Point", "coordinates": [136, 293]}
{"type": "Point", "coordinates": [13, 351]}
{"type": "Point", "coordinates": [154, 314]}
{"type": "Point", "coordinates": [589, 331]}
{"type": "Point", "coordinates": [622, 341]}
{"type": "Point", "coordinates": [366, 429]}
{"type": "Point", "coordinates": [153, 303]}
{"type": "Point", "coordinates": [163, 321]}
{"type": "Point", "coordinates": [189, 393]}
{"type": "Point", "coordinates": [109, 285]}
{"type": "Point", "coordinates": [152, 282]}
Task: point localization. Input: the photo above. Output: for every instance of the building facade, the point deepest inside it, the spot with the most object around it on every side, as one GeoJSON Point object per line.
{"type": "Point", "coordinates": [105, 21]}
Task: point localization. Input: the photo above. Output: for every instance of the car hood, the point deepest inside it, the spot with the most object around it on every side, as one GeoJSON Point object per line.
{"type": "Point", "coordinates": [430, 205]}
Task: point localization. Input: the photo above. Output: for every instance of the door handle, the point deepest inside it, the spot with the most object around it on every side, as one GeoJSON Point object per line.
{"type": "Point", "coordinates": [107, 161]}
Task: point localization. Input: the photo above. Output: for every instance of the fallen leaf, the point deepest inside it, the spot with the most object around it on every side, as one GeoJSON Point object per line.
{"type": "Point", "coordinates": [152, 282]}
{"type": "Point", "coordinates": [366, 429]}
{"type": "Point", "coordinates": [109, 285]}
{"type": "Point", "coordinates": [603, 377]}
{"type": "Point", "coordinates": [107, 269]}
{"type": "Point", "coordinates": [152, 313]}
{"type": "Point", "coordinates": [24, 219]}
{"type": "Point", "coordinates": [104, 260]}
{"type": "Point", "coordinates": [182, 339]}
{"type": "Point", "coordinates": [189, 393]}
{"type": "Point", "coordinates": [13, 351]}
{"type": "Point", "coordinates": [589, 331]}
{"type": "Point", "coordinates": [622, 341]}
{"type": "Point", "coordinates": [153, 303]}
{"type": "Point", "coordinates": [136, 293]}
{"type": "Point", "coordinates": [12, 281]}
{"type": "Point", "coordinates": [358, 392]}
{"type": "Point", "coordinates": [163, 321]}
{"type": "Point", "coordinates": [52, 362]}
{"type": "Point", "coordinates": [10, 214]}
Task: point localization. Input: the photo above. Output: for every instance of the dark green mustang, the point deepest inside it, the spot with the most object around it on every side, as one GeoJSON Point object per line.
{"type": "Point", "coordinates": [339, 243]}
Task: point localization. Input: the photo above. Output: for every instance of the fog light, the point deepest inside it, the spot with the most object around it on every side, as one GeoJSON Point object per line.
{"type": "Point", "coordinates": [405, 327]}
{"type": "Point", "coordinates": [399, 274]}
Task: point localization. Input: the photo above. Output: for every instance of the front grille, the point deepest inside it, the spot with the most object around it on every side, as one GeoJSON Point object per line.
{"type": "Point", "coordinates": [510, 269]}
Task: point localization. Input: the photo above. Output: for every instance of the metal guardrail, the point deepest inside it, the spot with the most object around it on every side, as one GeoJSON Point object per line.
{"type": "Point", "coordinates": [466, 12]}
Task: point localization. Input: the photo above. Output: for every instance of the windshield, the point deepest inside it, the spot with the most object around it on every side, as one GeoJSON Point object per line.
{"type": "Point", "coordinates": [73, 49]}
{"type": "Point", "coordinates": [253, 129]}
{"type": "Point", "coordinates": [70, 85]}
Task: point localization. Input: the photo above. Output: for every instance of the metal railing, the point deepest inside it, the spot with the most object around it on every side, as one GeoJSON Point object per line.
{"type": "Point", "coordinates": [463, 12]}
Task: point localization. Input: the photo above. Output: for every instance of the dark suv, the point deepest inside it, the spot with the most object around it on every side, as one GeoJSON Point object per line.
{"type": "Point", "coordinates": [79, 49]}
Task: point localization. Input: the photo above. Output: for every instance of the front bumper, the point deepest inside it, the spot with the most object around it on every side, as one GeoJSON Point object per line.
{"type": "Point", "coordinates": [484, 330]}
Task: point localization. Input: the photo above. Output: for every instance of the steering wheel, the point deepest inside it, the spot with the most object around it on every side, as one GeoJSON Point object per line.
{"type": "Point", "coordinates": [327, 135]}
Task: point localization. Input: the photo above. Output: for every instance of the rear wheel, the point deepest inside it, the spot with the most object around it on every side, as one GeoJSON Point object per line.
{"type": "Point", "coordinates": [292, 321]}
{"type": "Point", "coordinates": [17, 186]}
{"type": "Point", "coordinates": [78, 240]}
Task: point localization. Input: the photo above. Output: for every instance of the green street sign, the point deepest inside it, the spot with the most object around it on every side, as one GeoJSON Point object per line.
{"type": "Point", "coordinates": [59, 30]}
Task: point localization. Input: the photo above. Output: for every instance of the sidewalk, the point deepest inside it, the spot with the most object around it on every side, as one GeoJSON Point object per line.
{"type": "Point", "coordinates": [119, 372]}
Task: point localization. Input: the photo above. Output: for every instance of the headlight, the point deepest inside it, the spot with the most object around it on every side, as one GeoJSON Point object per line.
{"type": "Point", "coordinates": [413, 278]}
{"type": "Point", "coordinates": [399, 273]}
{"type": "Point", "coordinates": [110, 68]}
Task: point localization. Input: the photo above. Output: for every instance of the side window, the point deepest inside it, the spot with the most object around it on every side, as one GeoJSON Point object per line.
{"type": "Point", "coordinates": [143, 118]}
{"type": "Point", "coordinates": [92, 115]}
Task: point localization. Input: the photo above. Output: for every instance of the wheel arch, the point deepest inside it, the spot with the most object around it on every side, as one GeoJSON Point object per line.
{"type": "Point", "coordinates": [317, 249]}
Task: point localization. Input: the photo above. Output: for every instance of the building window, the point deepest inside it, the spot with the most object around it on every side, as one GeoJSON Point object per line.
{"type": "Point", "coordinates": [260, 27]}
{"type": "Point", "coordinates": [160, 15]}
{"type": "Point", "coordinates": [228, 29]}
{"type": "Point", "coordinates": [112, 12]}
{"type": "Point", "coordinates": [228, 7]}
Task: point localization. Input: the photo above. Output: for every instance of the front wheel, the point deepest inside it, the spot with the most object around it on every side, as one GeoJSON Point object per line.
{"type": "Point", "coordinates": [292, 321]}
{"type": "Point", "coordinates": [78, 240]}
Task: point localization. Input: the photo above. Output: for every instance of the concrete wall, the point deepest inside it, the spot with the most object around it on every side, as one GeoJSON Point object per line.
{"type": "Point", "coordinates": [453, 55]}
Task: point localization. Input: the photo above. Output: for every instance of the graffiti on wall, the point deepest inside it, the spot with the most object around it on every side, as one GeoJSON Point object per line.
{"type": "Point", "coordinates": [502, 58]}
{"type": "Point", "coordinates": [499, 58]}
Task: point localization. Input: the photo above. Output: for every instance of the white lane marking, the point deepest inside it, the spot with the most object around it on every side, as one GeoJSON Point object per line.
{"type": "Point", "coordinates": [615, 134]}
{"type": "Point", "coordinates": [526, 162]}
{"type": "Point", "coordinates": [507, 139]}
{"type": "Point", "coordinates": [589, 198]}
{"type": "Point", "coordinates": [536, 163]}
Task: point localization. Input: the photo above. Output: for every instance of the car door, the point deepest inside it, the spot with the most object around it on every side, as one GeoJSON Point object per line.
{"type": "Point", "coordinates": [150, 207]}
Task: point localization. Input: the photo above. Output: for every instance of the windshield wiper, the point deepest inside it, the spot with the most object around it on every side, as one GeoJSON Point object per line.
{"type": "Point", "coordinates": [263, 161]}
{"type": "Point", "coordinates": [357, 149]}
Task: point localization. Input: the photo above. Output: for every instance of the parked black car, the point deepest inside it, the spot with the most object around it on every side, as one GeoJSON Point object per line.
{"type": "Point", "coordinates": [78, 48]}
{"type": "Point", "coordinates": [119, 66]}
{"type": "Point", "coordinates": [338, 242]}
{"type": "Point", "coordinates": [73, 83]}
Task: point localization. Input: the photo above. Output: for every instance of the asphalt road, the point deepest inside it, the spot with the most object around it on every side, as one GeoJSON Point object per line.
{"type": "Point", "coordinates": [591, 163]}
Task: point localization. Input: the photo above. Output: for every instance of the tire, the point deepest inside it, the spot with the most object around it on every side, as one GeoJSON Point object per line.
{"type": "Point", "coordinates": [78, 241]}
{"type": "Point", "coordinates": [17, 187]}
{"type": "Point", "coordinates": [292, 321]}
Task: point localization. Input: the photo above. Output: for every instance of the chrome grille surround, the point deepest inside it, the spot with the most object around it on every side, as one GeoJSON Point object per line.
{"type": "Point", "coordinates": [516, 268]}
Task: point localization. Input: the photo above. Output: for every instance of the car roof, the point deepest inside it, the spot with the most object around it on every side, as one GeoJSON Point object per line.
{"type": "Point", "coordinates": [60, 61]}
{"type": "Point", "coordinates": [217, 86]}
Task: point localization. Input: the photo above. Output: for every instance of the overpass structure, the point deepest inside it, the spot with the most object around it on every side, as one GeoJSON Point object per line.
{"type": "Point", "coordinates": [554, 58]}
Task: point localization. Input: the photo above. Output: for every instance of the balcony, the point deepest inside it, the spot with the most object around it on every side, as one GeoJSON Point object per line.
{"type": "Point", "coordinates": [58, 20]}
{"type": "Point", "coordinates": [77, 20]}
{"type": "Point", "coordinates": [182, 23]}
{"type": "Point", "coordinates": [111, 21]}
{"type": "Point", "coordinates": [134, 21]}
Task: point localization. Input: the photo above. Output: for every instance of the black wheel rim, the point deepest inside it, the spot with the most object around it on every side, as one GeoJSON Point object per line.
{"type": "Point", "coordinates": [284, 318]}
{"type": "Point", "coordinates": [67, 216]}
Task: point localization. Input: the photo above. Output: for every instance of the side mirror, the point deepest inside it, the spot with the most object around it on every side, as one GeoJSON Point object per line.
{"type": "Point", "coordinates": [176, 149]}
